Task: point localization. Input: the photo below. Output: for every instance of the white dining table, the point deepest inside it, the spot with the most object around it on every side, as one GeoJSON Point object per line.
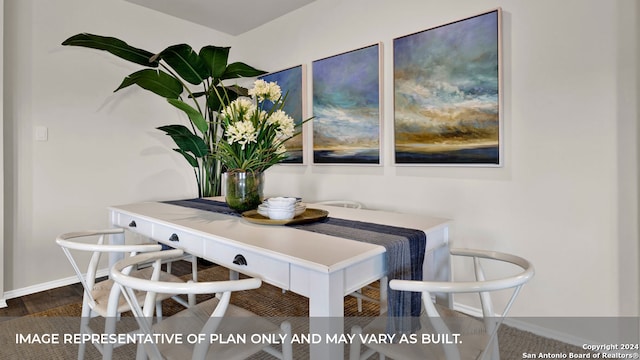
{"type": "Point", "coordinates": [320, 267]}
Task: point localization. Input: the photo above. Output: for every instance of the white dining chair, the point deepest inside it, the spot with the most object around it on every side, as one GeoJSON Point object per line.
{"type": "Point", "coordinates": [468, 337]}
{"type": "Point", "coordinates": [101, 298]}
{"type": "Point", "coordinates": [186, 257]}
{"type": "Point", "coordinates": [215, 316]}
{"type": "Point", "coordinates": [359, 294]}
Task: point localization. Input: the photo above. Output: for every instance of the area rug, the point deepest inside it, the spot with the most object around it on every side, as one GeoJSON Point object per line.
{"type": "Point", "coordinates": [267, 301]}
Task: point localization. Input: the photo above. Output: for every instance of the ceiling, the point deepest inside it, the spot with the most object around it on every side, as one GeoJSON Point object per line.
{"type": "Point", "coordinates": [233, 17]}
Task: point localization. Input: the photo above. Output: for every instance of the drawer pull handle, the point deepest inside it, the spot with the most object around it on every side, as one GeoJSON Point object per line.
{"type": "Point", "coordinates": [174, 237]}
{"type": "Point", "coordinates": [239, 260]}
{"type": "Point", "coordinates": [133, 223]}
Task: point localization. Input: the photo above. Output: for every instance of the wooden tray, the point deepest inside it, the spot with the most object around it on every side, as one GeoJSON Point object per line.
{"type": "Point", "coordinates": [309, 215]}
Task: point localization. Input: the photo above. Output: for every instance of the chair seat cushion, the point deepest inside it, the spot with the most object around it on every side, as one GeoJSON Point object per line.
{"type": "Point", "coordinates": [237, 322]}
{"type": "Point", "coordinates": [102, 290]}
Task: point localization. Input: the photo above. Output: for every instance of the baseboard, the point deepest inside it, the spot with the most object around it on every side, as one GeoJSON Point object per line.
{"type": "Point", "coordinates": [525, 326]}
{"type": "Point", "coordinates": [548, 333]}
{"type": "Point", "coordinates": [11, 294]}
{"type": "Point", "coordinates": [3, 303]}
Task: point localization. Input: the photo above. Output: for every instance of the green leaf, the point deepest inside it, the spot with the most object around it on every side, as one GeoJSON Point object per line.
{"type": "Point", "coordinates": [216, 58]}
{"type": "Point", "coordinates": [186, 62]}
{"type": "Point", "coordinates": [190, 159]}
{"type": "Point", "coordinates": [156, 81]}
{"type": "Point", "coordinates": [194, 115]}
{"type": "Point", "coordinates": [175, 130]}
{"type": "Point", "coordinates": [115, 46]}
{"type": "Point", "coordinates": [186, 140]}
{"type": "Point", "coordinates": [237, 90]}
{"type": "Point", "coordinates": [239, 69]}
{"type": "Point", "coordinates": [217, 98]}
{"type": "Point", "coordinates": [228, 93]}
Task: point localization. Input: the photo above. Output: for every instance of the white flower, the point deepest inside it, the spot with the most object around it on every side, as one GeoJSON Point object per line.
{"type": "Point", "coordinates": [262, 116]}
{"type": "Point", "coordinates": [284, 122]}
{"type": "Point", "coordinates": [239, 107]}
{"type": "Point", "coordinates": [241, 132]}
{"type": "Point", "coordinates": [281, 149]}
{"type": "Point", "coordinates": [246, 121]}
{"type": "Point", "coordinates": [265, 91]}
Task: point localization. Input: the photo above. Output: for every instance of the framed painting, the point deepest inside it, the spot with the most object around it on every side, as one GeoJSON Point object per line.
{"type": "Point", "coordinates": [447, 93]}
{"type": "Point", "coordinates": [292, 84]}
{"type": "Point", "coordinates": [346, 107]}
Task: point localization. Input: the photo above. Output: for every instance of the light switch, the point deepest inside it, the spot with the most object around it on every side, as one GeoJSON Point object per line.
{"type": "Point", "coordinates": [42, 133]}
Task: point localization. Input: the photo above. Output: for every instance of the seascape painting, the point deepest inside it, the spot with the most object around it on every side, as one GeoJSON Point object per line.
{"type": "Point", "coordinates": [346, 108]}
{"type": "Point", "coordinates": [447, 93]}
{"type": "Point", "coordinates": [291, 82]}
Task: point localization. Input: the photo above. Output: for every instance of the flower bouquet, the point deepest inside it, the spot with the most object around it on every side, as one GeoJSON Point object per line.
{"type": "Point", "coordinates": [254, 132]}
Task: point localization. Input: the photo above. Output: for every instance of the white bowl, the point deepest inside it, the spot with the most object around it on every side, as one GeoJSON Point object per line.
{"type": "Point", "coordinates": [263, 209]}
{"type": "Point", "coordinates": [281, 202]}
{"type": "Point", "coordinates": [280, 214]}
{"type": "Point", "coordinates": [300, 208]}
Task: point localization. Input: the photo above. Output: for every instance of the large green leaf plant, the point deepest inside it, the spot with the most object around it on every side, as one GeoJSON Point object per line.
{"type": "Point", "coordinates": [171, 74]}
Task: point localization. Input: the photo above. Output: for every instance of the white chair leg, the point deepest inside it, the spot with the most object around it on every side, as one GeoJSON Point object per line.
{"type": "Point", "coordinates": [191, 298]}
{"type": "Point", "coordinates": [159, 311]}
{"type": "Point", "coordinates": [84, 324]}
{"type": "Point", "coordinates": [194, 268]}
{"type": "Point", "coordinates": [109, 328]}
{"type": "Point", "coordinates": [354, 349]}
{"type": "Point", "coordinates": [234, 275]}
{"type": "Point", "coordinates": [384, 293]}
{"type": "Point", "coordinates": [287, 345]}
{"type": "Point", "coordinates": [140, 353]}
{"type": "Point", "coordinates": [359, 300]}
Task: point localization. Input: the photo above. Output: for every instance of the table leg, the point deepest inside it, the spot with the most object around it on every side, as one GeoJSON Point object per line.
{"type": "Point", "coordinates": [326, 314]}
{"type": "Point", "coordinates": [437, 264]}
{"type": "Point", "coordinates": [115, 239]}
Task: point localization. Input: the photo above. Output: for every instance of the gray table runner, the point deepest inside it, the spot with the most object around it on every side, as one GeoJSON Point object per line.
{"type": "Point", "coordinates": [405, 250]}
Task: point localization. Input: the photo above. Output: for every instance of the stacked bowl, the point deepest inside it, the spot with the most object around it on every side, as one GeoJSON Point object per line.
{"type": "Point", "coordinates": [281, 208]}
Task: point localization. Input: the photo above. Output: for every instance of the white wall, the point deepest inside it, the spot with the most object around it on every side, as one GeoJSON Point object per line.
{"type": "Point", "coordinates": [628, 133]}
{"type": "Point", "coordinates": [3, 303]}
{"type": "Point", "coordinates": [566, 197]}
{"type": "Point", "coordinates": [103, 147]}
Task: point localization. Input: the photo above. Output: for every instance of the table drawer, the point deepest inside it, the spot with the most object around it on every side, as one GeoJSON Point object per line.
{"type": "Point", "coordinates": [178, 239]}
{"type": "Point", "coordinates": [273, 271]}
{"type": "Point", "coordinates": [134, 224]}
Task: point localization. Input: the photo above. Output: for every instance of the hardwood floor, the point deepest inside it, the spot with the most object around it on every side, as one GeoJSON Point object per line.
{"type": "Point", "coordinates": [65, 295]}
